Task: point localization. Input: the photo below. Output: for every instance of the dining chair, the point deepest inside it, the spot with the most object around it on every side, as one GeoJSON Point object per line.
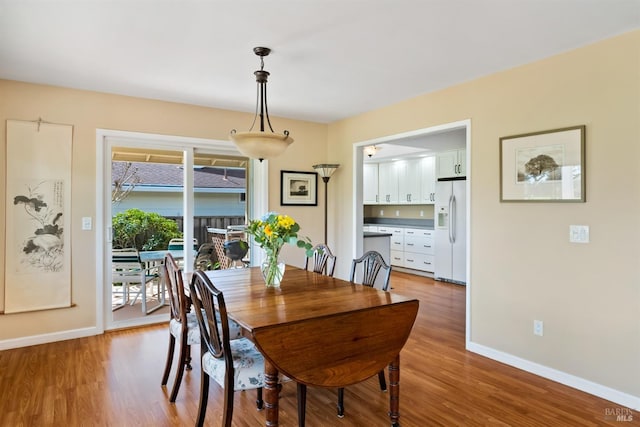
{"type": "Point", "coordinates": [128, 270]}
{"type": "Point", "coordinates": [183, 324]}
{"type": "Point", "coordinates": [205, 258]}
{"type": "Point", "coordinates": [234, 364]}
{"type": "Point", "coordinates": [370, 264]}
{"type": "Point", "coordinates": [177, 244]}
{"type": "Point", "coordinates": [324, 261]}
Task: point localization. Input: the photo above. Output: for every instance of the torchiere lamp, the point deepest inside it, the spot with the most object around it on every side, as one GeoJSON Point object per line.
{"type": "Point", "coordinates": [325, 170]}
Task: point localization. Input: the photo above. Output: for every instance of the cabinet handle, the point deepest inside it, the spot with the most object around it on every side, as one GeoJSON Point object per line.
{"type": "Point", "coordinates": [410, 260]}
{"type": "Point", "coordinates": [377, 198]}
{"type": "Point", "coordinates": [409, 244]}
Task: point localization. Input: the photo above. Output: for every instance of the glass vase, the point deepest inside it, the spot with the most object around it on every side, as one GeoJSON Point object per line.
{"type": "Point", "coordinates": [272, 270]}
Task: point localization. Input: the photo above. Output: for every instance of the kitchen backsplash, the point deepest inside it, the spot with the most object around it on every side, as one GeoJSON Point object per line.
{"type": "Point", "coordinates": [399, 211]}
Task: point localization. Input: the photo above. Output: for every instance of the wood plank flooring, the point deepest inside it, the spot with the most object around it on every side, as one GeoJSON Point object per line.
{"type": "Point", "coordinates": [114, 380]}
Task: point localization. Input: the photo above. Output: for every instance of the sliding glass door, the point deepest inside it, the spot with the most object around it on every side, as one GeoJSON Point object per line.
{"type": "Point", "coordinates": [157, 188]}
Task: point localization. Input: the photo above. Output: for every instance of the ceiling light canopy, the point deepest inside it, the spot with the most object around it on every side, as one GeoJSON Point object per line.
{"type": "Point", "coordinates": [261, 144]}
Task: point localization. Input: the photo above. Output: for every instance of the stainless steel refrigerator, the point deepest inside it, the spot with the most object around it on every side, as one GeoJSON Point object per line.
{"type": "Point", "coordinates": [451, 230]}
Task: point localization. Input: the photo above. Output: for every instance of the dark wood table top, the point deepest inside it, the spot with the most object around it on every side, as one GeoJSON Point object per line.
{"type": "Point", "coordinates": [316, 329]}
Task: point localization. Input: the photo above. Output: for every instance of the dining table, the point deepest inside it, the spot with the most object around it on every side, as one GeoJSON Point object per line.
{"type": "Point", "coordinates": [319, 330]}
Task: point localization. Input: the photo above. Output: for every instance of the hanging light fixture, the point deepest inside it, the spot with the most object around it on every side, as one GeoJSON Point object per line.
{"type": "Point", "coordinates": [370, 150]}
{"type": "Point", "coordinates": [261, 144]}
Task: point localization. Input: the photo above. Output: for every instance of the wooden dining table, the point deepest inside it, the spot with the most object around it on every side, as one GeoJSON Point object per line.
{"type": "Point", "coordinates": [318, 330]}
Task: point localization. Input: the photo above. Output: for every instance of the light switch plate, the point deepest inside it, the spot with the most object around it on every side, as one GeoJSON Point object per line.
{"type": "Point", "coordinates": [579, 233]}
{"type": "Point", "coordinates": [86, 223]}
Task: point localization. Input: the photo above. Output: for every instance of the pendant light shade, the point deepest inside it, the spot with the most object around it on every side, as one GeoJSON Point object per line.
{"type": "Point", "coordinates": [261, 144]}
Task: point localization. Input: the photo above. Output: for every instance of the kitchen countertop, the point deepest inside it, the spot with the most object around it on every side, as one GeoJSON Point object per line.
{"type": "Point", "coordinates": [375, 234]}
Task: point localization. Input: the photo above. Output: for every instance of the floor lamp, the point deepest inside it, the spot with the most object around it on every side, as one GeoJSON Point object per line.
{"type": "Point", "coordinates": [325, 170]}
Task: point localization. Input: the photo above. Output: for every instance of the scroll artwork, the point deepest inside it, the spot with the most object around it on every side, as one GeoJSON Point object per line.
{"type": "Point", "coordinates": [38, 211]}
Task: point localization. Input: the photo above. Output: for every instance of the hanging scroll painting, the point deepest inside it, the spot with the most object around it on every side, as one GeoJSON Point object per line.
{"type": "Point", "coordinates": [38, 211]}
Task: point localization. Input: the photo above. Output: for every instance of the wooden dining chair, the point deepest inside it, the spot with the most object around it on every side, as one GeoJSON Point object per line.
{"type": "Point", "coordinates": [234, 364]}
{"type": "Point", "coordinates": [183, 325]}
{"type": "Point", "coordinates": [324, 261]}
{"type": "Point", "coordinates": [370, 264]}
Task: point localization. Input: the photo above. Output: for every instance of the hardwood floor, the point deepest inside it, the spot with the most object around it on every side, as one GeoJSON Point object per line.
{"type": "Point", "coordinates": [114, 380]}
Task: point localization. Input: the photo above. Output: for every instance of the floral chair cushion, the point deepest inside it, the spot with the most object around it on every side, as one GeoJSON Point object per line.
{"type": "Point", "coordinates": [193, 330]}
{"type": "Point", "coordinates": [248, 365]}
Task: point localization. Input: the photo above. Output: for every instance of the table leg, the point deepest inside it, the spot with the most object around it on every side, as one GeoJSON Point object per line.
{"type": "Point", "coordinates": [394, 392]}
{"type": "Point", "coordinates": [271, 394]}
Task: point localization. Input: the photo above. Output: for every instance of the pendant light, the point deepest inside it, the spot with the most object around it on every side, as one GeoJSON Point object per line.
{"type": "Point", "coordinates": [261, 144]}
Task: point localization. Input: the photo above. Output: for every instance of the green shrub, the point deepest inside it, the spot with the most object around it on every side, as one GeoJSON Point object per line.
{"type": "Point", "coordinates": [145, 231]}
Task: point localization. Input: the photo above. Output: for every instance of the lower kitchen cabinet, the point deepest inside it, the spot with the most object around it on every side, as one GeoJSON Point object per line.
{"type": "Point", "coordinates": [418, 249]}
{"type": "Point", "coordinates": [410, 247]}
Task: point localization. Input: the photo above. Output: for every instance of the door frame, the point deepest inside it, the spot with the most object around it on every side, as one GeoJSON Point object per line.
{"type": "Point", "coordinates": [106, 139]}
{"type": "Point", "coordinates": [358, 217]}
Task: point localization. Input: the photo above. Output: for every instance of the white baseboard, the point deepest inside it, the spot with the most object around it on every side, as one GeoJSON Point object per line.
{"type": "Point", "coordinates": [615, 396]}
{"type": "Point", "coordinates": [47, 338]}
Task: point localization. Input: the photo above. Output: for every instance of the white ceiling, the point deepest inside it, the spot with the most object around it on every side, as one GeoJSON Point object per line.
{"type": "Point", "coordinates": [331, 59]}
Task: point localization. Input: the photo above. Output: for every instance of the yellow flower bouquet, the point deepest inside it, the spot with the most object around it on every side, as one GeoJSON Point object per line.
{"type": "Point", "coordinates": [271, 232]}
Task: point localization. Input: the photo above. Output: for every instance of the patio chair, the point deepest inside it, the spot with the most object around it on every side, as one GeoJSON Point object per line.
{"type": "Point", "coordinates": [127, 271]}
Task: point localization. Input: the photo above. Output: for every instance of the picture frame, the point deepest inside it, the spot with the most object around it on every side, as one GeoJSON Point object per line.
{"type": "Point", "coordinates": [546, 166]}
{"type": "Point", "coordinates": [298, 188]}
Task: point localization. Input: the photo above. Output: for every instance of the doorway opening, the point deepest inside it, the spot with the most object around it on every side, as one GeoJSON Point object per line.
{"type": "Point", "coordinates": [450, 137]}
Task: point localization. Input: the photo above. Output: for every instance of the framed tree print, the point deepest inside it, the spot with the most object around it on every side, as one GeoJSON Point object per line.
{"type": "Point", "coordinates": [298, 188]}
{"type": "Point", "coordinates": [547, 166]}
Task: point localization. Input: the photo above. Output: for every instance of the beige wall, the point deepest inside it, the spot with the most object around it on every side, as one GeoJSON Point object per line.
{"type": "Point", "coordinates": [522, 265]}
{"type": "Point", "coordinates": [88, 111]}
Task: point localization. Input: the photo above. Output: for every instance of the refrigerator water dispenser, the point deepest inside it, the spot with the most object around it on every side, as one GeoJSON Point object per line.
{"type": "Point", "coordinates": [443, 217]}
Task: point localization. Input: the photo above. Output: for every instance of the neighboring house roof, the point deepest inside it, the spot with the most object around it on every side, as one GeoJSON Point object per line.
{"type": "Point", "coordinates": [171, 175]}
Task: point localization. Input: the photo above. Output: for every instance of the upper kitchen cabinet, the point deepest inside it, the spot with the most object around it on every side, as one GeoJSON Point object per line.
{"type": "Point", "coordinates": [428, 180]}
{"type": "Point", "coordinates": [388, 183]}
{"type": "Point", "coordinates": [370, 183]}
{"type": "Point", "coordinates": [451, 164]}
{"type": "Point", "coordinates": [409, 181]}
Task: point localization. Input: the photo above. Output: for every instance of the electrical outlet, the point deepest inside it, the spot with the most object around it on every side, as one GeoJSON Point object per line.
{"type": "Point", "coordinates": [538, 328]}
{"type": "Point", "coordinates": [421, 213]}
{"type": "Point", "coordinates": [397, 213]}
{"type": "Point", "coordinates": [381, 212]}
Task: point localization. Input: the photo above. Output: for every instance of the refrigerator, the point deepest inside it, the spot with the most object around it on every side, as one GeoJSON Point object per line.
{"type": "Point", "coordinates": [451, 230]}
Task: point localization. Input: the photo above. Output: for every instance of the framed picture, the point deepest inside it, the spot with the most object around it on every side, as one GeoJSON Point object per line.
{"type": "Point", "coordinates": [298, 188]}
{"type": "Point", "coordinates": [545, 166]}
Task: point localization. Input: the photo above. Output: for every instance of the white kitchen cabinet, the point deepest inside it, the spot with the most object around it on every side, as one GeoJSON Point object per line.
{"type": "Point", "coordinates": [428, 180]}
{"type": "Point", "coordinates": [409, 181]}
{"type": "Point", "coordinates": [370, 183]}
{"type": "Point", "coordinates": [396, 242]}
{"type": "Point", "coordinates": [388, 183]}
{"type": "Point", "coordinates": [451, 164]}
{"type": "Point", "coordinates": [419, 249]}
